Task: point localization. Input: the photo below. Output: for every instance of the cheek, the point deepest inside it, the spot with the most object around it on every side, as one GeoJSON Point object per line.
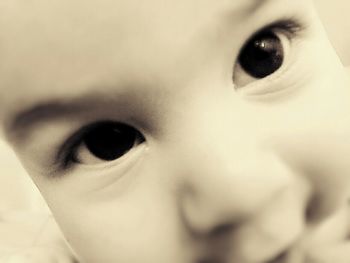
{"type": "Point", "coordinates": [139, 224]}
{"type": "Point", "coordinates": [315, 139]}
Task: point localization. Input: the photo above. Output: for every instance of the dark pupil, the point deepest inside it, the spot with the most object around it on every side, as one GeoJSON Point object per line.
{"type": "Point", "coordinates": [110, 141]}
{"type": "Point", "coordinates": [262, 55]}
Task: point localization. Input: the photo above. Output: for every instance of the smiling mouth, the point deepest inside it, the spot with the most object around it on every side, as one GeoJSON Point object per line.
{"type": "Point", "coordinates": [280, 258]}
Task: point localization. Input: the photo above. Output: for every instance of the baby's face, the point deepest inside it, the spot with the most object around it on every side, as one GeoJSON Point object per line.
{"type": "Point", "coordinates": [177, 131]}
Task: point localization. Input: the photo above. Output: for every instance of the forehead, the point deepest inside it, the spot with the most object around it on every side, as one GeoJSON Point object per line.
{"type": "Point", "coordinates": [54, 49]}
{"type": "Point", "coordinates": [48, 32]}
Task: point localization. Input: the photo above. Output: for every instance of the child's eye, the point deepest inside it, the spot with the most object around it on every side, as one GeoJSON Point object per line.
{"type": "Point", "coordinates": [103, 142]}
{"type": "Point", "coordinates": [264, 53]}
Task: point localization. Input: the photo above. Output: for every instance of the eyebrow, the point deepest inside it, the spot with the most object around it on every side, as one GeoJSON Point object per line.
{"type": "Point", "coordinates": [51, 111]}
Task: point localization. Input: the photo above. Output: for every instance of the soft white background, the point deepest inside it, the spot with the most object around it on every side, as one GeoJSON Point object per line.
{"type": "Point", "coordinates": [18, 192]}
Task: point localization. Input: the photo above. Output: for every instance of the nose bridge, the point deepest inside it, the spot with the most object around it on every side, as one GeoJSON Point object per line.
{"type": "Point", "coordinates": [226, 176]}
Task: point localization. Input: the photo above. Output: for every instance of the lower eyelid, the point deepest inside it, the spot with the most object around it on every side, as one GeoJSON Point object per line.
{"type": "Point", "coordinates": [84, 151]}
{"type": "Point", "coordinates": [286, 80]}
{"type": "Point", "coordinates": [121, 164]}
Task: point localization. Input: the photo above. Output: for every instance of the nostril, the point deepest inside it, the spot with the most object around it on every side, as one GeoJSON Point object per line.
{"type": "Point", "coordinates": [310, 211]}
{"type": "Point", "coordinates": [216, 244]}
{"type": "Point", "coordinates": [221, 230]}
{"type": "Point", "coordinates": [318, 208]}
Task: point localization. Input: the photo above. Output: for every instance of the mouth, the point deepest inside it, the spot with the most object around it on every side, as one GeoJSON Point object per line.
{"type": "Point", "coordinates": [280, 258]}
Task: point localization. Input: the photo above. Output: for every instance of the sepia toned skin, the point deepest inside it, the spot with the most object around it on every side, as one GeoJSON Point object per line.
{"type": "Point", "coordinates": [231, 168]}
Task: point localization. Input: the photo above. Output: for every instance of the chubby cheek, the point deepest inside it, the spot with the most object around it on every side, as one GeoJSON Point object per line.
{"type": "Point", "coordinates": [316, 142]}
{"type": "Point", "coordinates": [136, 224]}
{"type": "Point", "coordinates": [127, 235]}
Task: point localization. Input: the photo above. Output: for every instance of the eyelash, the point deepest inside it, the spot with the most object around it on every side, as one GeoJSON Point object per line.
{"type": "Point", "coordinates": [292, 26]}
{"type": "Point", "coordinates": [66, 156]}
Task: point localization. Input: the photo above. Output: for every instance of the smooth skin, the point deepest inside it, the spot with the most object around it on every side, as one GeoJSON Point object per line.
{"type": "Point", "coordinates": [232, 168]}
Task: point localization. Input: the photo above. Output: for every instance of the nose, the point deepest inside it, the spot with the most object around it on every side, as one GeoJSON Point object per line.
{"type": "Point", "coordinates": [227, 181]}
